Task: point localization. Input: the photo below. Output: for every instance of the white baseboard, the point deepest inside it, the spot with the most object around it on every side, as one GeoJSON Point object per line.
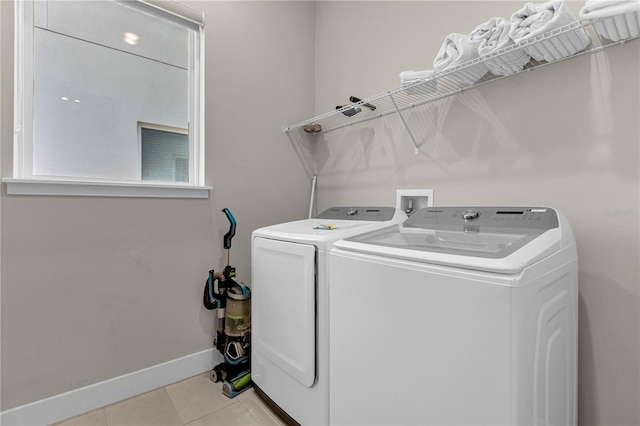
{"type": "Point", "coordinates": [78, 401]}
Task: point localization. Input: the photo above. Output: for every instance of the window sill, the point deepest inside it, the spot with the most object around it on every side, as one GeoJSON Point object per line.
{"type": "Point", "coordinates": [103, 189]}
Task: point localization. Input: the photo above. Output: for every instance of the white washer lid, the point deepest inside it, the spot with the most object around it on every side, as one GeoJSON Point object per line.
{"type": "Point", "coordinates": [313, 231]}
{"type": "Point", "coordinates": [332, 225]}
{"type": "Point", "coordinates": [494, 239]}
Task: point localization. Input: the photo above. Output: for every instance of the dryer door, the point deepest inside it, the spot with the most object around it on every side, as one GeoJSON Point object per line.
{"type": "Point", "coordinates": [283, 306]}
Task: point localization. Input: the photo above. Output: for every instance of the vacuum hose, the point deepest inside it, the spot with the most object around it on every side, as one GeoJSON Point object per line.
{"type": "Point", "coordinates": [208, 300]}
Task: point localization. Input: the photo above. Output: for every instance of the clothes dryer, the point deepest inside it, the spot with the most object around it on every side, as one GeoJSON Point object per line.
{"type": "Point", "coordinates": [460, 315]}
{"type": "Point", "coordinates": [290, 306]}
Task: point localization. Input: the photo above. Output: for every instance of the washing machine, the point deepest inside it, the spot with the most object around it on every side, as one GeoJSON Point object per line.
{"type": "Point", "coordinates": [460, 315]}
{"type": "Point", "coordinates": [290, 306]}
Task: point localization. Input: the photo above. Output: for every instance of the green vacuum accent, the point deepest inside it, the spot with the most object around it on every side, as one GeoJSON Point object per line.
{"type": "Point", "coordinates": [237, 386]}
{"type": "Point", "coordinates": [242, 381]}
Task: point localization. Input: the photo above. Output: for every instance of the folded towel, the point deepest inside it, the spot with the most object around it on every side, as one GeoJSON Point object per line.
{"type": "Point", "coordinates": [535, 19]}
{"type": "Point", "coordinates": [456, 50]}
{"type": "Point", "coordinates": [411, 80]}
{"type": "Point", "coordinates": [598, 9]}
{"type": "Point", "coordinates": [493, 36]}
{"type": "Point", "coordinates": [411, 76]}
{"type": "Point", "coordinates": [613, 19]}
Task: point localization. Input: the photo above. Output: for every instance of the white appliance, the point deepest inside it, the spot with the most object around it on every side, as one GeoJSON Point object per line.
{"type": "Point", "coordinates": [458, 316]}
{"type": "Point", "coordinates": [290, 306]}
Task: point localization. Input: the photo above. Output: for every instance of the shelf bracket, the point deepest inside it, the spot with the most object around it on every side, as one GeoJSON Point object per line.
{"type": "Point", "coordinates": [406, 126]}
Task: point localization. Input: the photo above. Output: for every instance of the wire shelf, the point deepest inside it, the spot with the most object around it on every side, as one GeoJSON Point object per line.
{"type": "Point", "coordinates": [559, 44]}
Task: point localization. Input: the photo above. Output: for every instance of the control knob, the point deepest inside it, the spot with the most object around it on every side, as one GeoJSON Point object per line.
{"type": "Point", "coordinates": [471, 214]}
{"type": "Point", "coordinates": [352, 212]}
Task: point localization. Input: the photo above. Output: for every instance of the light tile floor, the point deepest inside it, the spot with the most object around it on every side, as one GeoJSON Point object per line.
{"type": "Point", "coordinates": [194, 401]}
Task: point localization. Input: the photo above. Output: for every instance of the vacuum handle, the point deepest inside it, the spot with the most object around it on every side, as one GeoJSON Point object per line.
{"type": "Point", "coordinates": [232, 230]}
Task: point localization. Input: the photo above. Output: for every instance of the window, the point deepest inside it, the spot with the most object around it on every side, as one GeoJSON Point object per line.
{"type": "Point", "coordinates": [164, 154]}
{"type": "Point", "coordinates": [88, 74]}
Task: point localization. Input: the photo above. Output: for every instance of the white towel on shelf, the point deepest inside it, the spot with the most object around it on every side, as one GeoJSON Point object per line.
{"type": "Point", "coordinates": [535, 19]}
{"type": "Point", "coordinates": [613, 19]}
{"type": "Point", "coordinates": [456, 50]}
{"type": "Point", "coordinates": [598, 9]}
{"type": "Point", "coordinates": [493, 36]}
{"type": "Point", "coordinates": [411, 81]}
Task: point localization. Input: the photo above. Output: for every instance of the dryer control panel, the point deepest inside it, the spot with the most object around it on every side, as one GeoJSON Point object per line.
{"type": "Point", "coordinates": [532, 218]}
{"type": "Point", "coordinates": [375, 214]}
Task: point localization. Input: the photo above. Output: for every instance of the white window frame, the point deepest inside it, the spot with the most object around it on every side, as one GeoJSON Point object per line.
{"type": "Point", "coordinates": [24, 182]}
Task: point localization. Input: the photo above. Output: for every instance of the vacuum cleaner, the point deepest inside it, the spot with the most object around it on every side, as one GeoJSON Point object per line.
{"type": "Point", "coordinates": [232, 299]}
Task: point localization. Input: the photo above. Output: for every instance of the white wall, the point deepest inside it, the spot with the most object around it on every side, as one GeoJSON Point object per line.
{"type": "Point", "coordinates": [564, 136]}
{"type": "Point", "coordinates": [95, 288]}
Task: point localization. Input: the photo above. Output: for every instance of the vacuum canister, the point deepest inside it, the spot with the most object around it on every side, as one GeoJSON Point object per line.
{"type": "Point", "coordinates": [238, 313]}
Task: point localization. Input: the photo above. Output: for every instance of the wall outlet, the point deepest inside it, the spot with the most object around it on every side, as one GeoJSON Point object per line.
{"type": "Point", "coordinates": [410, 200]}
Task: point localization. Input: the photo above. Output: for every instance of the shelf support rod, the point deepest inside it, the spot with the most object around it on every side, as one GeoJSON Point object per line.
{"type": "Point", "coordinates": [406, 126]}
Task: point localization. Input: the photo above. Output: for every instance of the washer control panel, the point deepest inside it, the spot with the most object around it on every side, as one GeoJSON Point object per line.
{"type": "Point", "coordinates": [540, 218]}
{"type": "Point", "coordinates": [375, 214]}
